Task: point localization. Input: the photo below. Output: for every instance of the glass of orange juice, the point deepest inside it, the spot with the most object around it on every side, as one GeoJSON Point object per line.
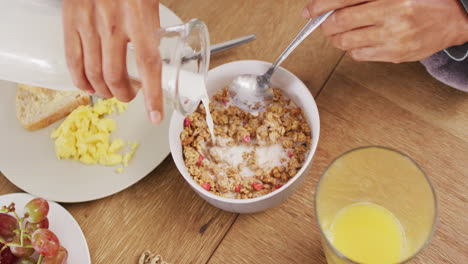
{"type": "Point", "coordinates": [374, 205]}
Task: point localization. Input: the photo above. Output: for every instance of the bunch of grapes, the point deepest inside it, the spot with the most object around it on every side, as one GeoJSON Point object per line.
{"type": "Point", "coordinates": [27, 239]}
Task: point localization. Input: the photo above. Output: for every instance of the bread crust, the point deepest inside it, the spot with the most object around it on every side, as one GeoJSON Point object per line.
{"type": "Point", "coordinates": [57, 115]}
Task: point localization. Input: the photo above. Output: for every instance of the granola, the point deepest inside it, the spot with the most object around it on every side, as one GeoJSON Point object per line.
{"type": "Point", "coordinates": [253, 154]}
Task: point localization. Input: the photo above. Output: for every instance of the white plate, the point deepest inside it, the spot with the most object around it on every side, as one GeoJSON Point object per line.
{"type": "Point", "coordinates": [61, 222]}
{"type": "Point", "coordinates": [28, 159]}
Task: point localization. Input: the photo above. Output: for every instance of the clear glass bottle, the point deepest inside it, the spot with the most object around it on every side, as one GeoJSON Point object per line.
{"type": "Point", "coordinates": [32, 52]}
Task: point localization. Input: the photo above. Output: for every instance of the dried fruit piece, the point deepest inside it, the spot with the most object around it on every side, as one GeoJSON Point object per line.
{"type": "Point", "coordinates": [200, 160]}
{"type": "Point", "coordinates": [246, 139]}
{"type": "Point", "coordinates": [224, 102]}
{"type": "Point", "coordinates": [238, 188]}
{"type": "Point", "coordinates": [277, 186]}
{"type": "Point", "coordinates": [257, 186]}
{"type": "Point", "coordinates": [206, 186]}
{"type": "Point", "coordinates": [187, 122]}
{"type": "Point", "coordinates": [289, 154]}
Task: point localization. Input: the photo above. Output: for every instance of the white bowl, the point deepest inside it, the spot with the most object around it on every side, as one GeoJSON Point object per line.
{"type": "Point", "coordinates": [218, 78]}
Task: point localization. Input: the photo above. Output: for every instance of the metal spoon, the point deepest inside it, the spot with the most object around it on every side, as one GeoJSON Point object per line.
{"type": "Point", "coordinates": [252, 93]}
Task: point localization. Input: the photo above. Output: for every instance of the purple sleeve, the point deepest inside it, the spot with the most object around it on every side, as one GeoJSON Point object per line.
{"type": "Point", "coordinates": [450, 66]}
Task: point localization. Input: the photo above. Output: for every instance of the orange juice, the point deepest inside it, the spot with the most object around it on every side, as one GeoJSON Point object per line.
{"type": "Point", "coordinates": [368, 233]}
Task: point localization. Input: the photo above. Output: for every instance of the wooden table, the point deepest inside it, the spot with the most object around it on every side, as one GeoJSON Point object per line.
{"type": "Point", "coordinates": [360, 104]}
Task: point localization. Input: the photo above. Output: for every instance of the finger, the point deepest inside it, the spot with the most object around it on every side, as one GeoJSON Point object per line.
{"type": "Point", "coordinates": [115, 68]}
{"type": "Point", "coordinates": [382, 53]}
{"type": "Point", "coordinates": [366, 54]}
{"type": "Point", "coordinates": [146, 43]}
{"type": "Point", "coordinates": [149, 67]}
{"type": "Point", "coordinates": [350, 18]}
{"type": "Point", "coordinates": [114, 42]}
{"type": "Point", "coordinates": [92, 57]}
{"type": "Point", "coordinates": [151, 15]}
{"type": "Point", "coordinates": [358, 38]}
{"type": "Point", "coordinates": [375, 53]}
{"type": "Point", "coordinates": [317, 7]}
{"type": "Point", "coordinates": [74, 56]}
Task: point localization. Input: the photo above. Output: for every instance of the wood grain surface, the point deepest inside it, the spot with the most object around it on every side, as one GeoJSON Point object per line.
{"type": "Point", "coordinates": [398, 106]}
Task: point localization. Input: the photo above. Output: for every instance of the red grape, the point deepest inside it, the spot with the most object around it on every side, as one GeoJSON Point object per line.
{"type": "Point", "coordinates": [6, 257]}
{"type": "Point", "coordinates": [26, 261]}
{"type": "Point", "coordinates": [60, 258]}
{"type": "Point", "coordinates": [36, 210]}
{"type": "Point", "coordinates": [7, 225]}
{"type": "Point", "coordinates": [31, 227]}
{"type": "Point", "coordinates": [21, 252]}
{"type": "Point", "coordinates": [45, 242]}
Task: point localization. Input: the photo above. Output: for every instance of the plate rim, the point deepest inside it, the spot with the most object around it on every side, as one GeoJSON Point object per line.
{"type": "Point", "coordinates": [62, 209]}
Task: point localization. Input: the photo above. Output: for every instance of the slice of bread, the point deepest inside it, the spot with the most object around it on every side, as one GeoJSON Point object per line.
{"type": "Point", "coordinates": [38, 107]}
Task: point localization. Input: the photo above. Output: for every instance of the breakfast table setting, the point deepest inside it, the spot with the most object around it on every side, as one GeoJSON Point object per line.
{"type": "Point", "coordinates": [153, 205]}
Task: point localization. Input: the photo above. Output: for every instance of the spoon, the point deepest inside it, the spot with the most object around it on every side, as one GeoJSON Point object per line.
{"type": "Point", "coordinates": [251, 92]}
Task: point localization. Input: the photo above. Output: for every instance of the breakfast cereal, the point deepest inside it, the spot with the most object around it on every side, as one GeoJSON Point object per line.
{"type": "Point", "coordinates": [252, 155]}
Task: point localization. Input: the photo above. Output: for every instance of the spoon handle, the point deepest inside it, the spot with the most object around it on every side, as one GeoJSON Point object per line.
{"type": "Point", "coordinates": [305, 32]}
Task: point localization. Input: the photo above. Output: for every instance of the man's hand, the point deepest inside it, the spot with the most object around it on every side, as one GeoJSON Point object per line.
{"type": "Point", "coordinates": [392, 30]}
{"type": "Point", "coordinates": [96, 36]}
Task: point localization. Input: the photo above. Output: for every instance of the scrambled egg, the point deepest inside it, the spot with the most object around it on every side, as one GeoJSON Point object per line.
{"type": "Point", "coordinates": [85, 136]}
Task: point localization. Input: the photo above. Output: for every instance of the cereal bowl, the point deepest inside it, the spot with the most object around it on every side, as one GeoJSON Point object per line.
{"type": "Point", "coordinates": [294, 89]}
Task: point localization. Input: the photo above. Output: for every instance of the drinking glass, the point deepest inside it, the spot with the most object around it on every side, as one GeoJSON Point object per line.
{"type": "Point", "coordinates": [384, 177]}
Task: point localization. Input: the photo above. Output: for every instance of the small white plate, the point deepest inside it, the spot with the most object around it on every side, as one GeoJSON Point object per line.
{"type": "Point", "coordinates": [61, 222]}
{"type": "Point", "coordinates": [29, 161]}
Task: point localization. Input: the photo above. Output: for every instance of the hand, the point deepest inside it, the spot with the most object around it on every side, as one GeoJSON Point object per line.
{"type": "Point", "coordinates": [96, 36]}
{"type": "Point", "coordinates": [392, 30]}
